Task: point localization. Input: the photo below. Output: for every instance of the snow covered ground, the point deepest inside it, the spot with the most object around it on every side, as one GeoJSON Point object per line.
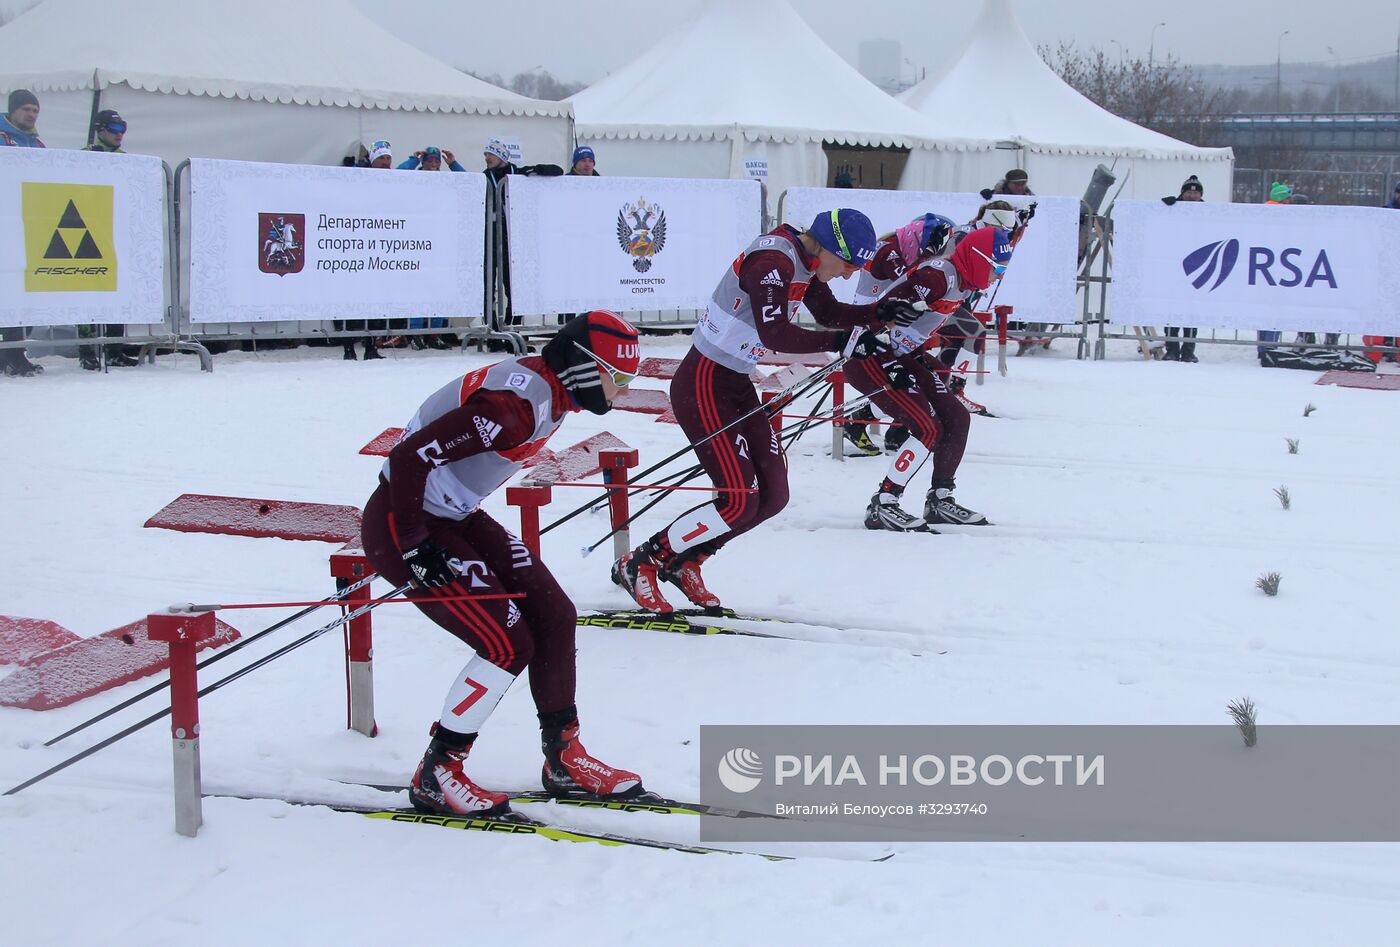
{"type": "Point", "coordinates": [1134, 507]}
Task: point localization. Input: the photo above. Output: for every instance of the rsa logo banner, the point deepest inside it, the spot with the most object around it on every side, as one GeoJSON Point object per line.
{"type": "Point", "coordinates": [68, 244]}
{"type": "Point", "coordinates": [1214, 262]}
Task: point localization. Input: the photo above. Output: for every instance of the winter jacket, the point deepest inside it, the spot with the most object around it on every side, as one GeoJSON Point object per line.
{"type": "Point", "coordinates": [1395, 201]}
{"type": "Point", "coordinates": [10, 135]}
{"type": "Point", "coordinates": [100, 145]}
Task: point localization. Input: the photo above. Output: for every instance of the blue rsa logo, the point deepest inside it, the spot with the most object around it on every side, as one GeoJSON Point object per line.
{"type": "Point", "coordinates": [1218, 260]}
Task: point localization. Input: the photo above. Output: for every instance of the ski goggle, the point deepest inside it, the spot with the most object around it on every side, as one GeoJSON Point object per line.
{"type": "Point", "coordinates": [620, 378]}
{"type": "Point", "coordinates": [997, 268]}
{"type": "Point", "coordinates": [116, 128]}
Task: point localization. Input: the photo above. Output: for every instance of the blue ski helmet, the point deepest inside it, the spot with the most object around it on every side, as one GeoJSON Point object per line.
{"type": "Point", "coordinates": [846, 233]}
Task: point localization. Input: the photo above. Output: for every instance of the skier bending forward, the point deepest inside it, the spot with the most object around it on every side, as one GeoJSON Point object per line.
{"type": "Point", "coordinates": [910, 387]}
{"type": "Point", "coordinates": [423, 525]}
{"type": "Point", "coordinates": [749, 316]}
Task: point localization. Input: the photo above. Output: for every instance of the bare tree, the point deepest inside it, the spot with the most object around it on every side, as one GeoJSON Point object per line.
{"type": "Point", "coordinates": [537, 84]}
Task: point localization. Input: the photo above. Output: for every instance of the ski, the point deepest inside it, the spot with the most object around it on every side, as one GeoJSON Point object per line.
{"type": "Point", "coordinates": [509, 824]}
{"type": "Point", "coordinates": [645, 802]}
{"type": "Point", "coordinates": [678, 622]}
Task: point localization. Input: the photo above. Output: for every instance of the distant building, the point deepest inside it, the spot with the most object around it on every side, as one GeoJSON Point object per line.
{"type": "Point", "coordinates": [880, 62]}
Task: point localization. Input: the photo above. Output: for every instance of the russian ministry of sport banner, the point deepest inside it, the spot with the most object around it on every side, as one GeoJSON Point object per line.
{"type": "Point", "coordinates": [1256, 266]}
{"type": "Point", "coordinates": [282, 242]}
{"type": "Point", "coordinates": [82, 238]}
{"type": "Point", "coordinates": [624, 243]}
{"type": "Point", "coordinates": [1039, 283]}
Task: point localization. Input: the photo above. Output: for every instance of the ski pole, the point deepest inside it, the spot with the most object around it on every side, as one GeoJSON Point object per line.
{"type": "Point", "coordinates": [792, 392]}
{"type": "Point", "coordinates": [219, 656]}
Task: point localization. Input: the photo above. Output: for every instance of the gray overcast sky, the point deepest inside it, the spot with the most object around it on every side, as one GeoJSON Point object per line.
{"type": "Point", "coordinates": [582, 40]}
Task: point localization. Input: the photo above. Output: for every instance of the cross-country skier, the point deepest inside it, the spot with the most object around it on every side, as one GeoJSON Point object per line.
{"type": "Point", "coordinates": [750, 315]}
{"type": "Point", "coordinates": [908, 386]}
{"type": "Point", "coordinates": [424, 526]}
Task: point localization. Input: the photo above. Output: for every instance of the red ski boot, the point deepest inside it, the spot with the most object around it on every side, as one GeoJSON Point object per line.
{"type": "Point", "coordinates": [685, 575]}
{"type": "Point", "coordinates": [441, 785]}
{"type": "Point", "coordinates": [637, 573]}
{"type": "Point", "coordinates": [569, 769]}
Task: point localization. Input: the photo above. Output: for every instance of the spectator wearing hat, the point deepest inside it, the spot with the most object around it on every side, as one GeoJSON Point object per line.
{"type": "Point", "coordinates": [430, 159]}
{"type": "Point", "coordinates": [1192, 192]}
{"type": "Point", "coordinates": [1016, 182]}
{"type": "Point", "coordinates": [380, 155]}
{"type": "Point", "coordinates": [109, 128]}
{"type": "Point", "coordinates": [582, 165]}
{"type": "Point", "coordinates": [1279, 193]}
{"type": "Point", "coordinates": [17, 130]}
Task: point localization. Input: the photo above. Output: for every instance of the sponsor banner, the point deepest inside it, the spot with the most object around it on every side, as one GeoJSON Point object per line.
{"type": "Point", "coordinates": [624, 243]}
{"type": "Point", "coordinates": [1256, 266]}
{"type": "Point", "coordinates": [1039, 283]}
{"type": "Point", "coordinates": [273, 242]}
{"type": "Point", "coordinates": [1051, 783]}
{"type": "Point", "coordinates": [83, 238]}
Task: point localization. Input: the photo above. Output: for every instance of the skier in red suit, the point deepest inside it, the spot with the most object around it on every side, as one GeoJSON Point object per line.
{"type": "Point", "coordinates": [424, 526]}
{"type": "Point", "coordinates": [750, 314]}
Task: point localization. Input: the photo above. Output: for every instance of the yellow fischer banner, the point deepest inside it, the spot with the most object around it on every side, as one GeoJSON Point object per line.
{"type": "Point", "coordinates": [68, 243]}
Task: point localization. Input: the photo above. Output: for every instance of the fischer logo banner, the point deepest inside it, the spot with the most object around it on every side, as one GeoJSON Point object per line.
{"type": "Point", "coordinates": [1251, 266]}
{"type": "Point", "coordinates": [84, 237]}
{"type": "Point", "coordinates": [68, 238]}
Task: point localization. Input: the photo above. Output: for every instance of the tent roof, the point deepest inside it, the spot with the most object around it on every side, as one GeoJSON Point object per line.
{"type": "Point", "coordinates": [311, 52]}
{"type": "Point", "coordinates": [755, 68]}
{"type": "Point", "coordinates": [1001, 89]}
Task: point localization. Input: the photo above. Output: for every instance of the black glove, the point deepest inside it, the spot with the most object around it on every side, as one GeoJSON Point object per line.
{"type": "Point", "coordinates": [862, 344]}
{"type": "Point", "coordinates": [1169, 201]}
{"type": "Point", "coordinates": [986, 193]}
{"type": "Point", "coordinates": [899, 311]}
{"type": "Point", "coordinates": [428, 566]}
{"type": "Point", "coordinates": [1026, 213]}
{"type": "Point", "coordinates": [901, 378]}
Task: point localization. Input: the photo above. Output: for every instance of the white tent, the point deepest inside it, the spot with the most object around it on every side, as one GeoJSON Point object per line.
{"type": "Point", "coordinates": [260, 80]}
{"type": "Point", "coordinates": [749, 85]}
{"type": "Point", "coordinates": [1000, 88]}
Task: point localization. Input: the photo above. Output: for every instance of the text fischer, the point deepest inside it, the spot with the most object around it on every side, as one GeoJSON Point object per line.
{"type": "Point", "coordinates": [954, 770]}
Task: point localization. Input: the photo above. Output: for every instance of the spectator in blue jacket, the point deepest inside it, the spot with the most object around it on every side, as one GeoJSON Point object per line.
{"type": "Point", "coordinates": [430, 159]}
{"type": "Point", "coordinates": [17, 128]}
{"type": "Point", "coordinates": [1395, 198]}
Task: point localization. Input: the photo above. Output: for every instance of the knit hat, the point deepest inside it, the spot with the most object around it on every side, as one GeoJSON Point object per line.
{"type": "Point", "coordinates": [1016, 174]}
{"type": "Point", "coordinates": [1193, 183]}
{"type": "Point", "coordinates": [20, 98]}
{"type": "Point", "coordinates": [846, 233]}
{"type": "Point", "coordinates": [580, 346]}
{"type": "Point", "coordinates": [581, 152]}
{"type": "Point", "coordinates": [498, 148]}
{"type": "Point", "coordinates": [107, 118]}
{"type": "Point", "coordinates": [928, 232]}
{"type": "Point", "coordinates": [380, 149]}
{"type": "Point", "coordinates": [1280, 192]}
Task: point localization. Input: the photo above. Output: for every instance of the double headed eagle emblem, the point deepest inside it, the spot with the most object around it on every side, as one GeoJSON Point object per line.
{"type": "Point", "coordinates": [641, 232]}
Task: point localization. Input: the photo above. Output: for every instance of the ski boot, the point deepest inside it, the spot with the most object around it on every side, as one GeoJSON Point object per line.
{"type": "Point", "coordinates": [569, 769]}
{"type": "Point", "coordinates": [957, 384]}
{"type": "Point", "coordinates": [441, 785]}
{"type": "Point", "coordinates": [940, 507]}
{"type": "Point", "coordinates": [684, 573]}
{"type": "Point", "coordinates": [637, 573]}
{"type": "Point", "coordinates": [855, 431]}
{"type": "Point", "coordinates": [884, 512]}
